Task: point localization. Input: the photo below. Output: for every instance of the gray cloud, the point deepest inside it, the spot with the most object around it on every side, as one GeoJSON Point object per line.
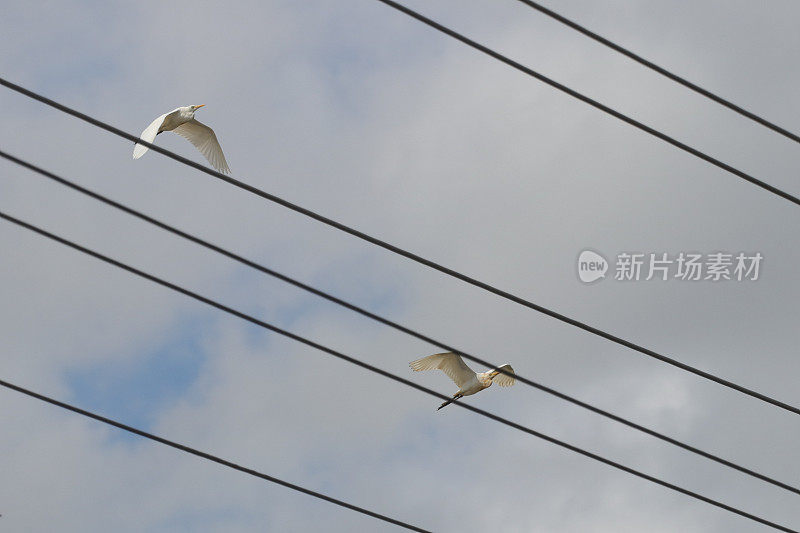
{"type": "Point", "coordinates": [370, 118]}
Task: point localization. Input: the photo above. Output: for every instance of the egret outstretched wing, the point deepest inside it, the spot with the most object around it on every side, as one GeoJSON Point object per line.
{"type": "Point", "coordinates": [204, 139]}
{"type": "Point", "coordinates": [149, 135]}
{"type": "Point", "coordinates": [450, 363]}
{"type": "Point", "coordinates": [505, 380]}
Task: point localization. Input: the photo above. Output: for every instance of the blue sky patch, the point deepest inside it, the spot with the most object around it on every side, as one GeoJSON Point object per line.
{"type": "Point", "coordinates": [136, 390]}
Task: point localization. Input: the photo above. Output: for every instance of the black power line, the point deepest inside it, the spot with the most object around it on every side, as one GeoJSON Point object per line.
{"type": "Point", "coordinates": [385, 321]}
{"type": "Point", "coordinates": [400, 251]}
{"type": "Point", "coordinates": [208, 456]}
{"type": "Point", "coordinates": [404, 381]}
{"type": "Point", "coordinates": [594, 103]}
{"type": "Point", "coordinates": [664, 72]}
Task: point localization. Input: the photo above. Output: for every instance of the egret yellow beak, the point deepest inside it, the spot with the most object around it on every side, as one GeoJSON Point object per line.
{"type": "Point", "coordinates": [201, 105]}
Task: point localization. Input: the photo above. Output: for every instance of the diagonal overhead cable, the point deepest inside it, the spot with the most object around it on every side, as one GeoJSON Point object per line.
{"type": "Point", "coordinates": [389, 375]}
{"type": "Point", "coordinates": [208, 456]}
{"type": "Point", "coordinates": [385, 321]}
{"type": "Point", "coordinates": [400, 251]}
{"type": "Point", "coordinates": [664, 72]}
{"type": "Point", "coordinates": [594, 103]}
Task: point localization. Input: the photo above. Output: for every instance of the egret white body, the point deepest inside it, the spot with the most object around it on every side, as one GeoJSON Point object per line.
{"type": "Point", "coordinates": [182, 122]}
{"type": "Point", "coordinates": [468, 381]}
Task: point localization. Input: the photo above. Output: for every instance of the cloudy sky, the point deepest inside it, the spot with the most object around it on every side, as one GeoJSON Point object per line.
{"type": "Point", "coordinates": [359, 112]}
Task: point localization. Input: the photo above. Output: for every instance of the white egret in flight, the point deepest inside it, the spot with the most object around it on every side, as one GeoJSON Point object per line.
{"type": "Point", "coordinates": [182, 122]}
{"type": "Point", "coordinates": [465, 378]}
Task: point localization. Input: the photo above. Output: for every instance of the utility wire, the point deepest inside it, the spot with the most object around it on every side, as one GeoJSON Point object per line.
{"type": "Point", "coordinates": [664, 72]}
{"type": "Point", "coordinates": [383, 320]}
{"type": "Point", "coordinates": [400, 251]}
{"type": "Point", "coordinates": [387, 374]}
{"type": "Point", "coordinates": [594, 103]}
{"type": "Point", "coordinates": [208, 456]}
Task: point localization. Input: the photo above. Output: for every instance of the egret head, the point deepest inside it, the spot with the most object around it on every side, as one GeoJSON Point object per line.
{"type": "Point", "coordinates": [504, 375]}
